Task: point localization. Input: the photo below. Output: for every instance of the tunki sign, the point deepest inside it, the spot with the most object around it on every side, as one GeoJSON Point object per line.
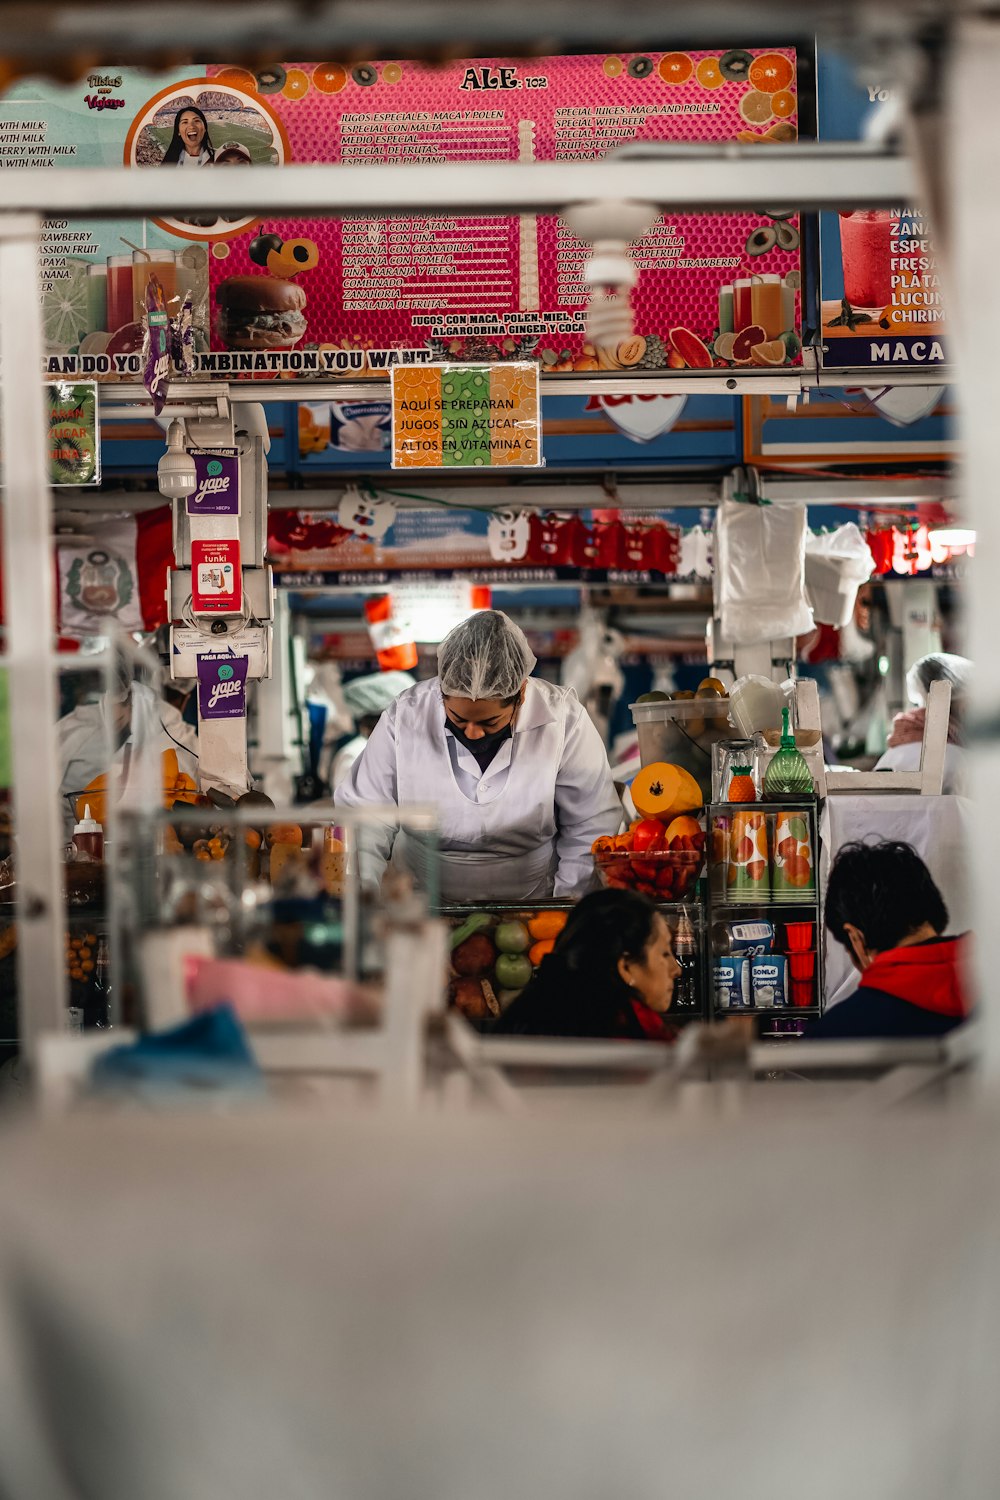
{"type": "Point", "coordinates": [222, 687]}
{"type": "Point", "coordinates": [218, 489]}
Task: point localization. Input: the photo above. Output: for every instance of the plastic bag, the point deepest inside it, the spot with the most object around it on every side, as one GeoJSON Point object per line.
{"type": "Point", "coordinates": [760, 572]}
{"type": "Point", "coordinates": [837, 564]}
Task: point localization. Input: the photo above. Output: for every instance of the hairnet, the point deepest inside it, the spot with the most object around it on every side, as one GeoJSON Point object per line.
{"type": "Point", "coordinates": [373, 693]}
{"type": "Point", "coordinates": [939, 666]}
{"type": "Point", "coordinates": [487, 656]}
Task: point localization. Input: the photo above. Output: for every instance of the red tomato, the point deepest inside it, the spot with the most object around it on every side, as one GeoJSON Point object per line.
{"type": "Point", "coordinates": [649, 837]}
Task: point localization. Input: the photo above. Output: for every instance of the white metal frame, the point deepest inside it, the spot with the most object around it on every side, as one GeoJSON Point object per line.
{"type": "Point", "coordinates": [928, 781]}
{"type": "Point", "coordinates": [729, 177]}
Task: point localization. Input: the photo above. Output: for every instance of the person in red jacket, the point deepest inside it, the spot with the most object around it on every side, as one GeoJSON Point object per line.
{"type": "Point", "coordinates": [883, 906]}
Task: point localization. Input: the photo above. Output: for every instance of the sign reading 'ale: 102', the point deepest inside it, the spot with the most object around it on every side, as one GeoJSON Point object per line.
{"type": "Point", "coordinates": [465, 416]}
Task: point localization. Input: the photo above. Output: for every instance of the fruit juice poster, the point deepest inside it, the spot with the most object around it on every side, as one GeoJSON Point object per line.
{"type": "Point", "coordinates": [354, 296]}
{"type": "Point", "coordinates": [880, 278]}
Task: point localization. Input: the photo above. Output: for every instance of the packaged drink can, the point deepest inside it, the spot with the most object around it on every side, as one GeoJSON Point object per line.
{"type": "Point", "coordinates": [769, 982]}
{"type": "Point", "coordinates": [793, 876]}
{"type": "Point", "coordinates": [750, 938]}
{"type": "Point", "coordinates": [748, 877]}
{"type": "Point", "coordinates": [733, 982]}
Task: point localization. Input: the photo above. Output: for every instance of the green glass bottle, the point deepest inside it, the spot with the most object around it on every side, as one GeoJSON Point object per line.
{"type": "Point", "coordinates": [788, 775]}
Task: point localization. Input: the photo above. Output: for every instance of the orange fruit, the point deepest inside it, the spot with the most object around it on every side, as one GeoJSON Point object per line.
{"type": "Point", "coordinates": [296, 84]}
{"type": "Point", "coordinates": [238, 78]}
{"type": "Point", "coordinates": [547, 925]}
{"type": "Point", "coordinates": [708, 73]}
{"type": "Point", "coordinates": [783, 103]}
{"type": "Point", "coordinates": [756, 107]}
{"type": "Point", "coordinates": [329, 78]}
{"type": "Point", "coordinates": [771, 72]}
{"type": "Point", "coordinates": [676, 67]}
{"type": "Point", "coordinates": [613, 67]}
{"type": "Point", "coordinates": [540, 951]}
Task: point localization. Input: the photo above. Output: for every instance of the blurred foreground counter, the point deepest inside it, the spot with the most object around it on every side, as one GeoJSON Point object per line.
{"type": "Point", "coordinates": [364, 1307]}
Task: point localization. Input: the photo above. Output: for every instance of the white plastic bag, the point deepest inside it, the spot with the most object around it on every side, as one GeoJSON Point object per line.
{"type": "Point", "coordinates": [760, 572]}
{"type": "Point", "coordinates": [837, 564]}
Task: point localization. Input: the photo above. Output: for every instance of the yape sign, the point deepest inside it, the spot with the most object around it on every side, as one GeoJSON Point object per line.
{"type": "Point", "coordinates": [217, 492]}
{"type": "Point", "coordinates": [359, 295]}
{"type": "Point", "coordinates": [466, 416]}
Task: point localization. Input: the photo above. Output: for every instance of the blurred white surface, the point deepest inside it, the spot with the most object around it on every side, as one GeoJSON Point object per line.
{"type": "Point", "coordinates": [477, 1309]}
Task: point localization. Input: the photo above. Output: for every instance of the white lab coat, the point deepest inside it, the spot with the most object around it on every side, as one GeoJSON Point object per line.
{"type": "Point", "coordinates": [345, 758]}
{"type": "Point", "coordinates": [520, 830]}
{"type": "Point", "coordinates": [83, 744]}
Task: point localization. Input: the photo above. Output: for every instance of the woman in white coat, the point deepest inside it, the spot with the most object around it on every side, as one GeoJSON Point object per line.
{"type": "Point", "coordinates": [515, 767]}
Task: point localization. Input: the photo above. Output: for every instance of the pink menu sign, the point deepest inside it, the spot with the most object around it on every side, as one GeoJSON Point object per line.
{"type": "Point", "coordinates": [353, 296]}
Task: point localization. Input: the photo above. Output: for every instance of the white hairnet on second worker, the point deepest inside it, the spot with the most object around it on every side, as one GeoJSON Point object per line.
{"type": "Point", "coordinates": [373, 693]}
{"type": "Point", "coordinates": [939, 666]}
{"type": "Point", "coordinates": [487, 656]}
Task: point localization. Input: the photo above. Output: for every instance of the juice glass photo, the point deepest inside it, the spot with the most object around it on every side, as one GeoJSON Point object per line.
{"type": "Point", "coordinates": [866, 254]}
{"type": "Point", "coordinates": [119, 291]}
{"type": "Point", "coordinates": [742, 304]}
{"type": "Point", "coordinates": [766, 305]}
{"type": "Point", "coordinates": [726, 310]}
{"type": "Point", "coordinates": [145, 265]}
{"type": "Point", "coordinates": [97, 298]}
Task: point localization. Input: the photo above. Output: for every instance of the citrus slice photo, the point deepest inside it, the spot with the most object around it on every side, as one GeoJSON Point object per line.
{"type": "Point", "coordinates": [771, 72]}
{"type": "Point", "coordinates": [709, 74]}
{"type": "Point", "coordinates": [676, 67]}
{"type": "Point", "coordinates": [65, 310]}
{"type": "Point", "coordinates": [329, 78]}
{"type": "Point", "coordinates": [755, 107]}
{"type": "Point", "coordinates": [770, 353]}
{"type": "Point", "coordinates": [783, 103]}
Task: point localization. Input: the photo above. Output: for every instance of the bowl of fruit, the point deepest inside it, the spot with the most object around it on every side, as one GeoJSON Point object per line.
{"type": "Point", "coordinates": [663, 861]}
{"type": "Point", "coordinates": [494, 955]}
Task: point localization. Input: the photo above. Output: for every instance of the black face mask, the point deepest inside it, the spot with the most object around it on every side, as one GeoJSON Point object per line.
{"type": "Point", "coordinates": [486, 746]}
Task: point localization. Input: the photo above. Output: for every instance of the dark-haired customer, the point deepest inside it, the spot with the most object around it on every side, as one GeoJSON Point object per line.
{"type": "Point", "coordinates": [882, 905]}
{"type": "Point", "coordinates": [611, 974]}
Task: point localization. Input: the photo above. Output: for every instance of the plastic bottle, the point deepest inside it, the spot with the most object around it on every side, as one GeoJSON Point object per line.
{"type": "Point", "coordinates": [787, 775]}
{"type": "Point", "coordinates": [97, 1006]}
{"type": "Point", "coordinates": [88, 836]}
{"type": "Point", "coordinates": [686, 954]}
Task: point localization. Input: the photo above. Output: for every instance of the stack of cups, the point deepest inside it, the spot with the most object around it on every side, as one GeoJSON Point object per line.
{"type": "Point", "coordinates": [793, 876]}
{"type": "Point", "coordinates": [748, 875]}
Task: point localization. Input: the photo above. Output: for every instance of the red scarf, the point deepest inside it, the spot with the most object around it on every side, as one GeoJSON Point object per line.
{"type": "Point", "coordinates": [929, 975]}
{"type": "Point", "coordinates": [654, 1027]}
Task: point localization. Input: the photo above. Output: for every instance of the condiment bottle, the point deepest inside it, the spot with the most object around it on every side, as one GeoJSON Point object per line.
{"type": "Point", "coordinates": [88, 836]}
{"type": "Point", "coordinates": [787, 775]}
{"type": "Point", "coordinates": [741, 785]}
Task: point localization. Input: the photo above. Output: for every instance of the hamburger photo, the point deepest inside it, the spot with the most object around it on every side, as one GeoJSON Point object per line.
{"type": "Point", "coordinates": [259, 312]}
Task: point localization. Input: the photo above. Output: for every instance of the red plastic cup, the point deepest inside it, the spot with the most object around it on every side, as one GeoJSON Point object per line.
{"type": "Point", "coordinates": [802, 992]}
{"type": "Point", "coordinates": [798, 937]}
{"type": "Point", "coordinates": [802, 965]}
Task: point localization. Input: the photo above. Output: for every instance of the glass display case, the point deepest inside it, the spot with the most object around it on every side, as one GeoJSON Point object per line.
{"type": "Point", "coordinates": [281, 912]}
{"type": "Point", "coordinates": [764, 915]}
{"type": "Point", "coordinates": [495, 950]}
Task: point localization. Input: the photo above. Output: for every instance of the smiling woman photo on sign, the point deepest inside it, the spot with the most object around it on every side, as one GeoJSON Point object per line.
{"type": "Point", "coordinates": [514, 766]}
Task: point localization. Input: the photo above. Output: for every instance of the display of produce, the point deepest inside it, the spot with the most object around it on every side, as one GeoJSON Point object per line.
{"type": "Point", "coordinates": [494, 954]}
